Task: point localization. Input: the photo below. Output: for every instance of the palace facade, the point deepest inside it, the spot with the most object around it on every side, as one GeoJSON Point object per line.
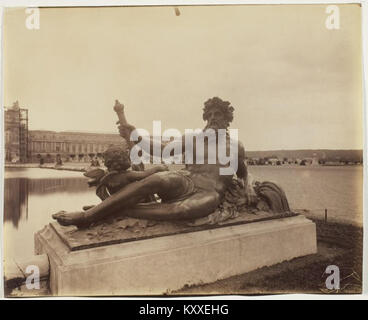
{"type": "Point", "coordinates": [23, 145]}
{"type": "Point", "coordinates": [69, 146]}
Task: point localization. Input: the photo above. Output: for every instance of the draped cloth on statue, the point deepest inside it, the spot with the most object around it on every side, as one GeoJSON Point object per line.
{"type": "Point", "coordinates": [273, 195]}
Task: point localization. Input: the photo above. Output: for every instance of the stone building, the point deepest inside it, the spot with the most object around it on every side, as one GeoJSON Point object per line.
{"type": "Point", "coordinates": [16, 133]}
{"type": "Point", "coordinates": [69, 146]}
{"type": "Point", "coordinates": [23, 145]}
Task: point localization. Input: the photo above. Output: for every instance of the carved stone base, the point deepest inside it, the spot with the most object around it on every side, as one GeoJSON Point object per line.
{"type": "Point", "coordinates": [165, 263]}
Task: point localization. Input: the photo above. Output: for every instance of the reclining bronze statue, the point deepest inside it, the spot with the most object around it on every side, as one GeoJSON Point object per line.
{"type": "Point", "coordinates": [193, 192]}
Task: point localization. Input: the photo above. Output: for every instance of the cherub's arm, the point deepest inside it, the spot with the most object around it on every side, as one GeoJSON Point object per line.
{"type": "Point", "coordinates": [139, 175]}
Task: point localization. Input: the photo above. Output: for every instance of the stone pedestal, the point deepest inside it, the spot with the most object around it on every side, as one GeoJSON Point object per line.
{"type": "Point", "coordinates": [161, 264]}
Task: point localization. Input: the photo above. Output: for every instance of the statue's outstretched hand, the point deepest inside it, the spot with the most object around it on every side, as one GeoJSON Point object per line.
{"type": "Point", "coordinates": [118, 107]}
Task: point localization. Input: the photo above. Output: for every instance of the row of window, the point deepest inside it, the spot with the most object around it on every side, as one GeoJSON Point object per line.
{"type": "Point", "coordinates": [66, 147]}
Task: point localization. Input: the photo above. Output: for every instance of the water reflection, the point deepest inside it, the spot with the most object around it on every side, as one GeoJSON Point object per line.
{"type": "Point", "coordinates": [31, 196]}
{"type": "Point", "coordinates": [15, 200]}
{"type": "Point", "coordinates": [18, 190]}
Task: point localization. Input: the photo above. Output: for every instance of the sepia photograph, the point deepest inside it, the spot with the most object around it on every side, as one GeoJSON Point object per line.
{"type": "Point", "coordinates": [195, 150]}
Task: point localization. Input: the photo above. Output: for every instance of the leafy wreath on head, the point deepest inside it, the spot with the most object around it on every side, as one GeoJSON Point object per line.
{"type": "Point", "coordinates": [224, 106]}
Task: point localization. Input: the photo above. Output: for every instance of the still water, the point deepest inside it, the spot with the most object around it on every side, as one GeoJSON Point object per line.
{"type": "Point", "coordinates": [32, 195]}
{"type": "Point", "coordinates": [339, 189]}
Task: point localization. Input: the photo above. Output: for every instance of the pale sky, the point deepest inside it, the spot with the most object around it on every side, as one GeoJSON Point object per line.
{"type": "Point", "coordinates": [294, 84]}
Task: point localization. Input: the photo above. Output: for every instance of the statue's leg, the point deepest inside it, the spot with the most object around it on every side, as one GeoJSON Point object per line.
{"type": "Point", "coordinates": [130, 195]}
{"type": "Point", "coordinates": [198, 205]}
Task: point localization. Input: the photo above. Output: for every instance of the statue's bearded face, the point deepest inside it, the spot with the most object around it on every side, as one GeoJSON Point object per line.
{"type": "Point", "coordinates": [216, 119]}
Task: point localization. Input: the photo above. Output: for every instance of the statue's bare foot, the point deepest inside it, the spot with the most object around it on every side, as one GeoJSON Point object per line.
{"type": "Point", "coordinates": [77, 218]}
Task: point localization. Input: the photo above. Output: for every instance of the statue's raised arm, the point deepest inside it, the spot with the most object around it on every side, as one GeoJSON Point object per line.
{"type": "Point", "coordinates": [126, 129]}
{"type": "Point", "coordinates": [119, 109]}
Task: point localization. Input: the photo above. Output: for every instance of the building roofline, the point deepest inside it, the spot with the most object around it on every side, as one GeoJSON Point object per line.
{"type": "Point", "coordinates": [74, 132]}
